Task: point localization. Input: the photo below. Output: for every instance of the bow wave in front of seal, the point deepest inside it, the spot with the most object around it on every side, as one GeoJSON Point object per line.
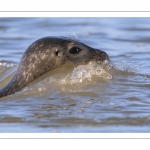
{"type": "Point", "coordinates": [87, 72]}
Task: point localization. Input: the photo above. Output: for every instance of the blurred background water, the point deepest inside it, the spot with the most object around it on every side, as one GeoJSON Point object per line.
{"type": "Point", "coordinates": [120, 104]}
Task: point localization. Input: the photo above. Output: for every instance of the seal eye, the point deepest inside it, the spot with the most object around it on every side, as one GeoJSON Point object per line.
{"type": "Point", "coordinates": [74, 50]}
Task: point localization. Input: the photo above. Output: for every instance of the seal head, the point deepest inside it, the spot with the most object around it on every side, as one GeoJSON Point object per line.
{"type": "Point", "coordinates": [46, 54]}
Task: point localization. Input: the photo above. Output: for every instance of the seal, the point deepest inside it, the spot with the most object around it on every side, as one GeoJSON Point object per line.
{"type": "Point", "coordinates": [46, 54]}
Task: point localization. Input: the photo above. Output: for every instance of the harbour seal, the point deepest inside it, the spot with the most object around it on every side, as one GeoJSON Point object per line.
{"type": "Point", "coordinates": [46, 54]}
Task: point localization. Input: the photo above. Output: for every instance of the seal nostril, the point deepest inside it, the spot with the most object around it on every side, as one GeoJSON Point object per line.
{"type": "Point", "coordinates": [104, 56]}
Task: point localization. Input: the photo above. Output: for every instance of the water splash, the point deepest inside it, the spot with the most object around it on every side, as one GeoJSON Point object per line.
{"type": "Point", "coordinates": [7, 65]}
{"type": "Point", "coordinates": [97, 69]}
{"type": "Point", "coordinates": [125, 67]}
{"type": "Point", "coordinates": [87, 72]}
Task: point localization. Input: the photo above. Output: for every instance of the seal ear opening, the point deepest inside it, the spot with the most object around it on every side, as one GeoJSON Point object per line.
{"type": "Point", "coordinates": [56, 53]}
{"type": "Point", "coordinates": [74, 50]}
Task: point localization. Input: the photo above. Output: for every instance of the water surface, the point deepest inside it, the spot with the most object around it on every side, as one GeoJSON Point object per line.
{"type": "Point", "coordinates": [113, 97]}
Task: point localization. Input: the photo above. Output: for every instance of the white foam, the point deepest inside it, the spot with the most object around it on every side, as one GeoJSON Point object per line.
{"type": "Point", "coordinates": [7, 65]}
{"type": "Point", "coordinates": [87, 72]}
{"type": "Point", "coordinates": [126, 67]}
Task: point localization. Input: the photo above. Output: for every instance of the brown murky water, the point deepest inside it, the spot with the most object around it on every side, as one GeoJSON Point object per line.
{"type": "Point", "coordinates": [112, 97]}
